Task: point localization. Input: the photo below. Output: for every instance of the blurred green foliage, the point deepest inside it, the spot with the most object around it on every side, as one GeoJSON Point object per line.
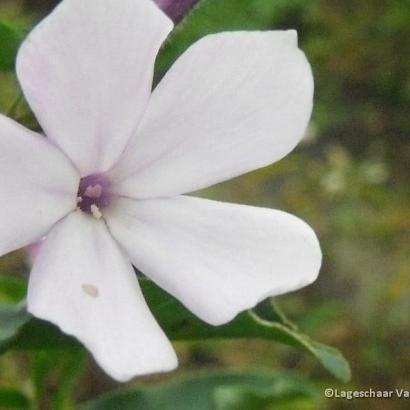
{"type": "Point", "coordinates": [348, 179]}
{"type": "Point", "coordinates": [20, 331]}
{"type": "Point", "coordinates": [254, 390]}
{"type": "Point", "coordinates": [11, 36]}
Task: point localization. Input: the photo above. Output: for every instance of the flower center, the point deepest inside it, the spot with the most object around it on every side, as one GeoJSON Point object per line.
{"type": "Point", "coordinates": [94, 194]}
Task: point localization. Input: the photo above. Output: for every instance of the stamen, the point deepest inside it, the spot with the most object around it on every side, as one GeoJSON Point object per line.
{"type": "Point", "coordinates": [95, 211]}
{"type": "Point", "coordinates": [94, 194]}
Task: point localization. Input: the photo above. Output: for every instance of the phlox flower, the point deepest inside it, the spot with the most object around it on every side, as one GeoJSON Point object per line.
{"type": "Point", "coordinates": [107, 185]}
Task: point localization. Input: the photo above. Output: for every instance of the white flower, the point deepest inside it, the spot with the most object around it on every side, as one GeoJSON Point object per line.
{"type": "Point", "coordinates": [106, 184]}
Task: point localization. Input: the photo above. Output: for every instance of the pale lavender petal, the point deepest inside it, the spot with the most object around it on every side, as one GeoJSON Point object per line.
{"type": "Point", "coordinates": [38, 186]}
{"type": "Point", "coordinates": [82, 282]}
{"type": "Point", "coordinates": [232, 103]}
{"type": "Point", "coordinates": [216, 258]}
{"type": "Point", "coordinates": [86, 71]}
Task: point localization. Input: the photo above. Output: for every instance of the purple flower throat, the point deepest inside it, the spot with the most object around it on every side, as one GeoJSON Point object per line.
{"type": "Point", "coordinates": [94, 194]}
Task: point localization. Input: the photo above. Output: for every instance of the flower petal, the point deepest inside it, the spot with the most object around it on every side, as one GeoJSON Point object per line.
{"type": "Point", "coordinates": [216, 258]}
{"type": "Point", "coordinates": [38, 186]}
{"type": "Point", "coordinates": [82, 282]}
{"type": "Point", "coordinates": [86, 71]}
{"type": "Point", "coordinates": [234, 102]}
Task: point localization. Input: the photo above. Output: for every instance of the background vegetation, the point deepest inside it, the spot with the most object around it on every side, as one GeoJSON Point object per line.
{"type": "Point", "coordinates": [348, 179]}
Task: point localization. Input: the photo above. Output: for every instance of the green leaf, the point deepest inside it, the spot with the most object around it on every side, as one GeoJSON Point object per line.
{"type": "Point", "coordinates": [13, 399]}
{"type": "Point", "coordinates": [37, 334]}
{"type": "Point", "coordinates": [211, 391]}
{"type": "Point", "coordinates": [11, 36]}
{"type": "Point", "coordinates": [266, 321]}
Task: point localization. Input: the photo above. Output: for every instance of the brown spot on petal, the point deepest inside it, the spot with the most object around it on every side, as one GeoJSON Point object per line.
{"type": "Point", "coordinates": [90, 290]}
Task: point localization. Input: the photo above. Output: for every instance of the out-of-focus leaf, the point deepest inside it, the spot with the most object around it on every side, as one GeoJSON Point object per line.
{"type": "Point", "coordinates": [61, 370]}
{"type": "Point", "coordinates": [211, 391]}
{"type": "Point", "coordinates": [245, 397]}
{"type": "Point", "coordinates": [265, 321]}
{"type": "Point", "coordinates": [12, 289]}
{"type": "Point", "coordinates": [11, 36]}
{"type": "Point", "coordinates": [37, 334]}
{"type": "Point", "coordinates": [13, 399]}
{"type": "Point", "coordinates": [12, 319]}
